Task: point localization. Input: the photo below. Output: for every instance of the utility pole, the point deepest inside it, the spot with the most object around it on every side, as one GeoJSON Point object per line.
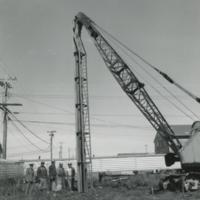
{"type": "Point", "coordinates": [5, 120]}
{"type": "Point", "coordinates": [69, 156]}
{"type": "Point", "coordinates": [61, 150]}
{"type": "Point", "coordinates": [6, 85]}
{"type": "Point", "coordinates": [51, 134]}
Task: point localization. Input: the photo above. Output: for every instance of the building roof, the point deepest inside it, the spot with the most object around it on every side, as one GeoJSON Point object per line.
{"type": "Point", "coordinates": [181, 129]}
{"type": "Point", "coordinates": [9, 161]}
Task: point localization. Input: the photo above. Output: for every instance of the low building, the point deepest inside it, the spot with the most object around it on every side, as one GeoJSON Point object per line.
{"type": "Point", "coordinates": [124, 164]}
{"type": "Point", "coordinates": [11, 169]}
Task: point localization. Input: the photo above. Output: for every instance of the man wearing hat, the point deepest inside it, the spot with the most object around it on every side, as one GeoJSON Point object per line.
{"type": "Point", "coordinates": [71, 176]}
{"type": "Point", "coordinates": [42, 176]}
{"type": "Point", "coordinates": [30, 177]}
{"type": "Point", "coordinates": [61, 177]}
{"type": "Point", "coordinates": [52, 176]}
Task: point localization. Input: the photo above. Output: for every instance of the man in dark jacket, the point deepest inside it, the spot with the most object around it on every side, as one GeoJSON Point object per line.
{"type": "Point", "coordinates": [30, 178]}
{"type": "Point", "coordinates": [71, 176]}
{"type": "Point", "coordinates": [61, 177]}
{"type": "Point", "coordinates": [52, 176]}
{"type": "Point", "coordinates": [42, 176]}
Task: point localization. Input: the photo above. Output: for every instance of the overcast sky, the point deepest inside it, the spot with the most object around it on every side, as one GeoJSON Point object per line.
{"type": "Point", "coordinates": [36, 47]}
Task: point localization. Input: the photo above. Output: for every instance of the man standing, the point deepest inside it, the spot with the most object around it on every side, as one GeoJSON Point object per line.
{"type": "Point", "coordinates": [61, 177]}
{"type": "Point", "coordinates": [71, 176]}
{"type": "Point", "coordinates": [52, 176]}
{"type": "Point", "coordinates": [42, 176]}
{"type": "Point", "coordinates": [29, 179]}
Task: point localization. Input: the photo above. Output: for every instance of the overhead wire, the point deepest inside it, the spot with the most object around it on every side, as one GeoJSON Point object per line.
{"type": "Point", "coordinates": [40, 113]}
{"type": "Point", "coordinates": [27, 139]}
{"type": "Point", "coordinates": [22, 146]}
{"type": "Point", "coordinates": [38, 102]}
{"type": "Point", "coordinates": [96, 114]}
{"type": "Point", "coordinates": [69, 112]}
{"type": "Point", "coordinates": [59, 96]}
{"type": "Point", "coordinates": [24, 126]}
{"type": "Point", "coordinates": [117, 125]}
{"type": "Point", "coordinates": [131, 115]}
{"type": "Point", "coordinates": [99, 97]}
{"type": "Point", "coordinates": [45, 104]}
{"type": "Point", "coordinates": [18, 138]}
{"type": "Point", "coordinates": [50, 106]}
{"type": "Point", "coordinates": [2, 66]}
{"type": "Point", "coordinates": [29, 152]}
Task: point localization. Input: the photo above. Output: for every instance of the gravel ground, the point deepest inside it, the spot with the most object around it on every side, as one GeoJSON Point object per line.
{"type": "Point", "coordinates": [107, 193]}
{"type": "Point", "coordinates": [134, 188]}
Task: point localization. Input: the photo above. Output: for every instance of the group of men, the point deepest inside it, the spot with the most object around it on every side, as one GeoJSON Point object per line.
{"type": "Point", "coordinates": [56, 178]}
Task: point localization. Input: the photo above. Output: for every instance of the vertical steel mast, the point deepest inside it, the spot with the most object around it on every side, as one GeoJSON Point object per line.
{"type": "Point", "coordinates": [127, 80]}
{"type": "Point", "coordinates": [83, 138]}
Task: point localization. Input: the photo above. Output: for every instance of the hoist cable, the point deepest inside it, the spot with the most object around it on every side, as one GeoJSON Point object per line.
{"type": "Point", "coordinates": [146, 62]}
{"type": "Point", "coordinates": [152, 66]}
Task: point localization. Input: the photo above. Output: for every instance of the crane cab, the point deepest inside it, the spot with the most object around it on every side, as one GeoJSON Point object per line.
{"type": "Point", "coordinates": [190, 152]}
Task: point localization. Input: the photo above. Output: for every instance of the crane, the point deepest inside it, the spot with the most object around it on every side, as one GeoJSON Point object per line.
{"type": "Point", "coordinates": [129, 83]}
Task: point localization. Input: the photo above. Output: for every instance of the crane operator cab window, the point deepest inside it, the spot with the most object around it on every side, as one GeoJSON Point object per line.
{"type": "Point", "coordinates": [195, 127]}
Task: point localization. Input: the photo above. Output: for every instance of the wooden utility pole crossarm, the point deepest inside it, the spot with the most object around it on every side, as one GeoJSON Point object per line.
{"type": "Point", "coordinates": [6, 85]}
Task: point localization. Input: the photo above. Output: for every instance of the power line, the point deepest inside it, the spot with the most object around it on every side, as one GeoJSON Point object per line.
{"type": "Point", "coordinates": [19, 130]}
{"type": "Point", "coordinates": [45, 104]}
{"type": "Point", "coordinates": [45, 95]}
{"type": "Point", "coordinates": [43, 113]}
{"type": "Point", "coordinates": [95, 114]}
{"type": "Point", "coordinates": [99, 97]}
{"type": "Point", "coordinates": [18, 138]}
{"type": "Point", "coordinates": [19, 146]}
{"type": "Point", "coordinates": [29, 152]}
{"type": "Point", "coordinates": [131, 115]}
{"type": "Point", "coordinates": [25, 146]}
{"type": "Point", "coordinates": [3, 66]}
{"type": "Point", "coordinates": [30, 131]}
{"type": "Point", "coordinates": [71, 113]}
{"type": "Point", "coordinates": [117, 125]}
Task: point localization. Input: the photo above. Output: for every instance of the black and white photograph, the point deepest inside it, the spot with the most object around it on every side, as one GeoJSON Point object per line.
{"type": "Point", "coordinates": [99, 100]}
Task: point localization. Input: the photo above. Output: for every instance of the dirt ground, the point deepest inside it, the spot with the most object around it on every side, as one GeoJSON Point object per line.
{"type": "Point", "coordinates": [135, 188]}
{"type": "Point", "coordinates": [143, 194]}
{"type": "Point", "coordinates": [107, 193]}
